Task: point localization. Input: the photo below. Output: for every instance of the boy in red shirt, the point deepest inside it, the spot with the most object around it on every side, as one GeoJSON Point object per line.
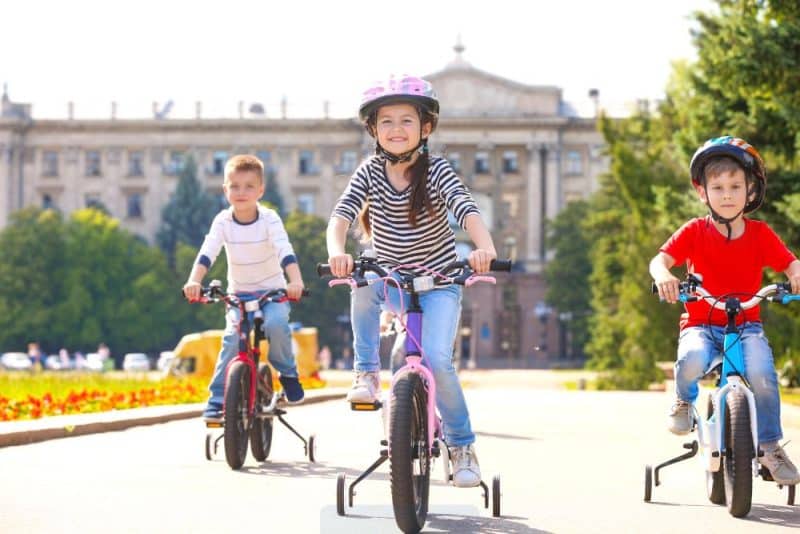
{"type": "Point", "coordinates": [730, 251]}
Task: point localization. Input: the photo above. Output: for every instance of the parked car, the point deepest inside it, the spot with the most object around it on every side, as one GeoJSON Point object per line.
{"type": "Point", "coordinates": [136, 361]}
{"type": "Point", "coordinates": [16, 361]}
{"type": "Point", "coordinates": [164, 360]}
{"type": "Point", "coordinates": [93, 362]}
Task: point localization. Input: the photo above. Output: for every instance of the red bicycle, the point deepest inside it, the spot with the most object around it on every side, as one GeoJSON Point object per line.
{"type": "Point", "coordinates": [250, 402]}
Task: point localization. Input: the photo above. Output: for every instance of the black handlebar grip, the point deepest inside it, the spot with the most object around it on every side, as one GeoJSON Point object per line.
{"type": "Point", "coordinates": [653, 288]}
{"type": "Point", "coordinates": [306, 292]}
{"type": "Point", "coordinates": [323, 269]}
{"type": "Point", "coordinates": [500, 265]}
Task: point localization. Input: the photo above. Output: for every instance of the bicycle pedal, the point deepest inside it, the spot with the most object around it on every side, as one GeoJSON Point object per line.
{"type": "Point", "coordinates": [366, 406]}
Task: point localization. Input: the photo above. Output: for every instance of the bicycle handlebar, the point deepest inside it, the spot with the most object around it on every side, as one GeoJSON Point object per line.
{"type": "Point", "coordinates": [691, 290]}
{"type": "Point", "coordinates": [366, 264]}
{"type": "Point", "coordinates": [214, 293]}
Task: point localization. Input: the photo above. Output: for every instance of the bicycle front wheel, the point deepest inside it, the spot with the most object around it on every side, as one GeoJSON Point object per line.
{"type": "Point", "coordinates": [237, 391]}
{"type": "Point", "coordinates": [739, 454]}
{"type": "Point", "coordinates": [409, 454]}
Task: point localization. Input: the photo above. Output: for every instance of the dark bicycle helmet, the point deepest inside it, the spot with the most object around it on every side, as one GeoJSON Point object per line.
{"type": "Point", "coordinates": [743, 152]}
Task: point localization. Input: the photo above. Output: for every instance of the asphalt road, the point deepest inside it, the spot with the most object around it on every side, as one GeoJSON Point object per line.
{"type": "Point", "coordinates": [568, 462]}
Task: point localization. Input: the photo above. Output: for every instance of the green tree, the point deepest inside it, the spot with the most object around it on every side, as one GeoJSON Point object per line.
{"type": "Point", "coordinates": [188, 214]}
{"type": "Point", "coordinates": [567, 275]}
{"type": "Point", "coordinates": [323, 305]}
{"type": "Point", "coordinates": [32, 280]}
{"type": "Point", "coordinates": [272, 194]}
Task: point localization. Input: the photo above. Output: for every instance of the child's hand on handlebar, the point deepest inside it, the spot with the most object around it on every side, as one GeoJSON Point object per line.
{"type": "Point", "coordinates": [668, 287]}
{"type": "Point", "coordinates": [480, 260]}
{"type": "Point", "coordinates": [294, 290]}
{"type": "Point", "coordinates": [191, 290]}
{"type": "Point", "coordinates": [341, 265]}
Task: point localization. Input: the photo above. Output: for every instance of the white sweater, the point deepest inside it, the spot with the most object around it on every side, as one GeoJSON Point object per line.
{"type": "Point", "coordinates": [257, 252]}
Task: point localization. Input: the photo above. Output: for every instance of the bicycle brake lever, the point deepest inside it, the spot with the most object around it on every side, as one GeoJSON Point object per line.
{"type": "Point", "coordinates": [479, 278]}
{"type": "Point", "coordinates": [342, 281]}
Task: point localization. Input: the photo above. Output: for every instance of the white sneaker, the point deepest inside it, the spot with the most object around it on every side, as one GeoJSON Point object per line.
{"type": "Point", "coordinates": [366, 387]}
{"type": "Point", "coordinates": [681, 420]}
{"type": "Point", "coordinates": [780, 466]}
{"type": "Point", "coordinates": [466, 471]}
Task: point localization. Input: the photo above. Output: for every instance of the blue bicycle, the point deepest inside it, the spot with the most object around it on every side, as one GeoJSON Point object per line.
{"type": "Point", "coordinates": [728, 437]}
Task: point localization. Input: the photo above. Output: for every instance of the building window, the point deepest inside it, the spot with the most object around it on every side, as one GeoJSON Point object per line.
{"type": "Point", "coordinates": [348, 162]}
{"type": "Point", "coordinates": [510, 163]}
{"type": "Point", "coordinates": [47, 202]}
{"type": "Point", "coordinates": [50, 163]}
{"type": "Point", "coordinates": [307, 162]}
{"type": "Point", "coordinates": [134, 206]}
{"type": "Point", "coordinates": [481, 163]}
{"type": "Point", "coordinates": [93, 163]}
{"type": "Point", "coordinates": [176, 162]}
{"type": "Point", "coordinates": [455, 161]}
{"type": "Point", "coordinates": [92, 200]}
{"type": "Point", "coordinates": [305, 203]}
{"type": "Point", "coordinates": [136, 163]}
{"type": "Point", "coordinates": [218, 165]}
{"type": "Point", "coordinates": [574, 162]}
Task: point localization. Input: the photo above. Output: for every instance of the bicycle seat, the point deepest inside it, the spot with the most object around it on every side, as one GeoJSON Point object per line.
{"type": "Point", "coordinates": [715, 369]}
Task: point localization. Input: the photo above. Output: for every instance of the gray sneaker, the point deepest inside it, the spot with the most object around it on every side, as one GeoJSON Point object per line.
{"type": "Point", "coordinates": [466, 471]}
{"type": "Point", "coordinates": [366, 387]}
{"type": "Point", "coordinates": [680, 417]}
{"type": "Point", "coordinates": [780, 466]}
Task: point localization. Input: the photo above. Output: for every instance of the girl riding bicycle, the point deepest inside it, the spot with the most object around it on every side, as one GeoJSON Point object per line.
{"type": "Point", "coordinates": [401, 197]}
{"type": "Point", "coordinates": [730, 251]}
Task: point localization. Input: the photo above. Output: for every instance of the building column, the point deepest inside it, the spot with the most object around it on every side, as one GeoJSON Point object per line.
{"type": "Point", "coordinates": [535, 221]}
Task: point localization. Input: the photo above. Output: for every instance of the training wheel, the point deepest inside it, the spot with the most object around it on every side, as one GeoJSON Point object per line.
{"type": "Point", "coordinates": [496, 496]}
{"type": "Point", "coordinates": [648, 483]}
{"type": "Point", "coordinates": [312, 448]}
{"type": "Point", "coordinates": [209, 454]}
{"type": "Point", "coordinates": [340, 486]}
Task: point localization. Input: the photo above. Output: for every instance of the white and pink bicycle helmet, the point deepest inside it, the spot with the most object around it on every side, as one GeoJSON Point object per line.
{"type": "Point", "coordinates": [404, 89]}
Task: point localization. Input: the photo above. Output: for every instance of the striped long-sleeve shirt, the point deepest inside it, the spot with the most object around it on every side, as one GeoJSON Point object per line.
{"type": "Point", "coordinates": [431, 242]}
{"type": "Point", "coordinates": [257, 252]}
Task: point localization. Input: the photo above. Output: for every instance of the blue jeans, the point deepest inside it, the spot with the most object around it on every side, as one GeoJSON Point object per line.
{"type": "Point", "coordinates": [697, 347]}
{"type": "Point", "coordinates": [442, 308]}
{"type": "Point", "coordinates": [276, 329]}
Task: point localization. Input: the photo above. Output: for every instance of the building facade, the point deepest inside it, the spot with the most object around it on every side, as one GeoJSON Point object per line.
{"type": "Point", "coordinates": [516, 146]}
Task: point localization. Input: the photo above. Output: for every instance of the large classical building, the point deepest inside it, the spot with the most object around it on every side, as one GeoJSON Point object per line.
{"type": "Point", "coordinates": [518, 147]}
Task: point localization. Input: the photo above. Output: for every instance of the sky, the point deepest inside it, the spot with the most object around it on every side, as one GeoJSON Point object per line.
{"type": "Point", "coordinates": [310, 51]}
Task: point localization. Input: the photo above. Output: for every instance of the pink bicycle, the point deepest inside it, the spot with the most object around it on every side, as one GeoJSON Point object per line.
{"type": "Point", "coordinates": [414, 434]}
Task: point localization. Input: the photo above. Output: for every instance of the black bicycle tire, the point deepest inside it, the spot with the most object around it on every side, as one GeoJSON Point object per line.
{"type": "Point", "coordinates": [408, 430]}
{"type": "Point", "coordinates": [237, 389]}
{"type": "Point", "coordinates": [738, 454]}
{"type": "Point", "coordinates": [261, 431]}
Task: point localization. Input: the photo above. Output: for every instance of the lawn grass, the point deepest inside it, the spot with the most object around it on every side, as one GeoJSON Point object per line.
{"type": "Point", "coordinates": [19, 385]}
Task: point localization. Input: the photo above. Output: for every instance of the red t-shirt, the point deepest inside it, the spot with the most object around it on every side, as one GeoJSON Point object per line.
{"type": "Point", "coordinates": [726, 266]}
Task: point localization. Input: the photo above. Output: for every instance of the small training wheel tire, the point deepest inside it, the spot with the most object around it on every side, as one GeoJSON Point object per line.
{"type": "Point", "coordinates": [648, 483]}
{"type": "Point", "coordinates": [209, 455]}
{"type": "Point", "coordinates": [496, 496]}
{"type": "Point", "coordinates": [790, 499]}
{"type": "Point", "coordinates": [312, 448]}
{"type": "Point", "coordinates": [340, 487]}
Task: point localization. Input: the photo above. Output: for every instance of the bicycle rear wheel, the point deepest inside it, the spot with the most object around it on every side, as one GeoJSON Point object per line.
{"type": "Point", "coordinates": [739, 454]}
{"type": "Point", "coordinates": [409, 454]}
{"type": "Point", "coordinates": [237, 391]}
{"type": "Point", "coordinates": [261, 431]}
